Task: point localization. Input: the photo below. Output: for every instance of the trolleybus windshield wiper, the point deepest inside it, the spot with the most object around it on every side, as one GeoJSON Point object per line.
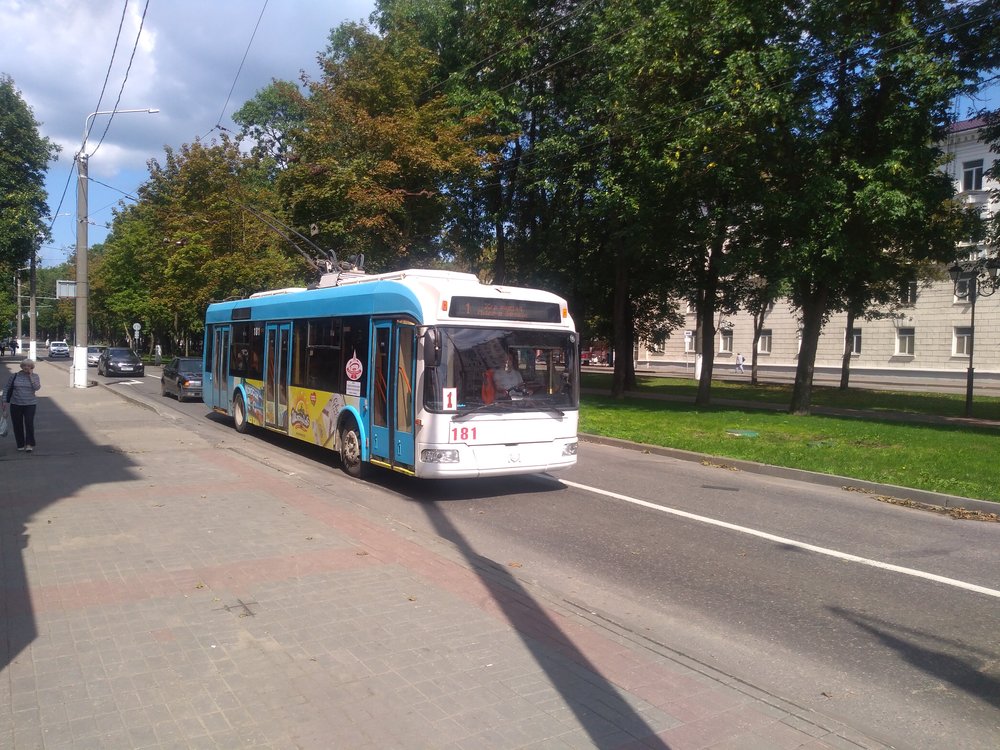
{"type": "Point", "coordinates": [503, 406]}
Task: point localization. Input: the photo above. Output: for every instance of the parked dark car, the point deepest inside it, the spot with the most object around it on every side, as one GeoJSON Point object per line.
{"type": "Point", "coordinates": [182, 377]}
{"type": "Point", "coordinates": [117, 360]}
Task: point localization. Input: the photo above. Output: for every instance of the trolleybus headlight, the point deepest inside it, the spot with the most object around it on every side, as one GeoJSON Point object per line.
{"type": "Point", "coordinates": [569, 449]}
{"type": "Point", "coordinates": [432, 456]}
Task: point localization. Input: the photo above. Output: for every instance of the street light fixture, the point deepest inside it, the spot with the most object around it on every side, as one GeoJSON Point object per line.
{"type": "Point", "coordinates": [981, 280]}
{"type": "Point", "coordinates": [79, 369]}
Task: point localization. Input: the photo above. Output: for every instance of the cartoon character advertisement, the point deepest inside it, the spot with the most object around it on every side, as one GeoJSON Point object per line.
{"type": "Point", "coordinates": [314, 414]}
{"type": "Point", "coordinates": [255, 401]}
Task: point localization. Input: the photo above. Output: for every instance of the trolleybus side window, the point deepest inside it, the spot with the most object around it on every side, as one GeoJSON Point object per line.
{"type": "Point", "coordinates": [246, 358]}
{"type": "Point", "coordinates": [318, 354]}
{"type": "Point", "coordinates": [209, 343]}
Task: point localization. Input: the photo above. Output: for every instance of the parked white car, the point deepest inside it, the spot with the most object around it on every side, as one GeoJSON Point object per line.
{"type": "Point", "coordinates": [58, 349]}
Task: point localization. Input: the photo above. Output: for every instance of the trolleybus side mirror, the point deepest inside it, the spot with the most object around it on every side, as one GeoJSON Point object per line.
{"type": "Point", "coordinates": [432, 348]}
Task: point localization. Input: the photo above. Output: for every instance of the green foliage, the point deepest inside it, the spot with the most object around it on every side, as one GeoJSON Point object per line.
{"type": "Point", "coordinates": [625, 154]}
{"type": "Point", "coordinates": [376, 152]}
{"type": "Point", "coordinates": [269, 117]}
{"type": "Point", "coordinates": [188, 242]}
{"type": "Point", "coordinates": [24, 158]}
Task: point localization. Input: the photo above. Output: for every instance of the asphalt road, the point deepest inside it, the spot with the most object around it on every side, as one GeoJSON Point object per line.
{"type": "Point", "coordinates": [751, 576]}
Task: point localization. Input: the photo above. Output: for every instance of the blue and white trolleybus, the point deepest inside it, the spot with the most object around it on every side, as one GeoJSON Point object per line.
{"type": "Point", "coordinates": [428, 373]}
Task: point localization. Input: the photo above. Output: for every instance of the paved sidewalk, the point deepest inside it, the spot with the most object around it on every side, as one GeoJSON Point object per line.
{"type": "Point", "coordinates": [163, 590]}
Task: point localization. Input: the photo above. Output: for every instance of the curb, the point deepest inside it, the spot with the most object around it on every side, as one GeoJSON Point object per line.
{"type": "Point", "coordinates": [905, 494]}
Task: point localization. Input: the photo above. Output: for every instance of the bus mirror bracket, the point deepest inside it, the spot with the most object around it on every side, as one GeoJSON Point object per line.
{"type": "Point", "coordinates": [432, 347]}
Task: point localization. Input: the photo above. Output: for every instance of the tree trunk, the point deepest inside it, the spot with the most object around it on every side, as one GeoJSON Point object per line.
{"type": "Point", "coordinates": [758, 326]}
{"type": "Point", "coordinates": [630, 380]}
{"type": "Point", "coordinates": [845, 367]}
{"type": "Point", "coordinates": [499, 236]}
{"type": "Point", "coordinates": [706, 330]}
{"type": "Point", "coordinates": [708, 296]}
{"type": "Point", "coordinates": [813, 314]}
{"type": "Point", "coordinates": [619, 324]}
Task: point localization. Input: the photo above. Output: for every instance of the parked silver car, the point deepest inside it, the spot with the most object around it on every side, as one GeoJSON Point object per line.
{"type": "Point", "coordinates": [94, 354]}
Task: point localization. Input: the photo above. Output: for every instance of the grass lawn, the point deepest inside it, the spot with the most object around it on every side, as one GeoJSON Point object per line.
{"type": "Point", "coordinates": [953, 459]}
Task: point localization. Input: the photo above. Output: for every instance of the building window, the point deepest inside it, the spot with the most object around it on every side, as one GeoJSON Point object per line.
{"type": "Point", "coordinates": [854, 341]}
{"type": "Point", "coordinates": [764, 342]}
{"type": "Point", "coordinates": [726, 340]}
{"type": "Point", "coordinates": [904, 341]}
{"type": "Point", "coordinates": [962, 288]}
{"type": "Point", "coordinates": [657, 347]}
{"type": "Point", "coordinates": [972, 175]}
{"type": "Point", "coordinates": [689, 342]}
{"type": "Point", "coordinates": [963, 341]}
{"type": "Point", "coordinates": [908, 294]}
{"type": "Point", "coordinates": [689, 308]}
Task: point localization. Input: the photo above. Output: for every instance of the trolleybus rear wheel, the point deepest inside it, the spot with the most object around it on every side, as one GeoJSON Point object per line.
{"type": "Point", "coordinates": [350, 450]}
{"type": "Point", "coordinates": [240, 414]}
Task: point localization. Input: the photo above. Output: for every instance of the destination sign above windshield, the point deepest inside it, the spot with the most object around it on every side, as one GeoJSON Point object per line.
{"type": "Point", "coordinates": [528, 311]}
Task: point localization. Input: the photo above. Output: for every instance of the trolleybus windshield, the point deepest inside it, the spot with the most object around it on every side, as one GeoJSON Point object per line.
{"type": "Point", "coordinates": [500, 369]}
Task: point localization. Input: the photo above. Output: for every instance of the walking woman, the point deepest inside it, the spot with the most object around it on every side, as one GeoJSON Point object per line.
{"type": "Point", "coordinates": [19, 395]}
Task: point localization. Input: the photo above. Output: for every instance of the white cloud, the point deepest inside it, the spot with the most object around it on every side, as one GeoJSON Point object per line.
{"type": "Point", "coordinates": [58, 51]}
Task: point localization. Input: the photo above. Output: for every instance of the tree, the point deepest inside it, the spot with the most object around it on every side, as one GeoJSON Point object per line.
{"type": "Point", "coordinates": [24, 159]}
{"type": "Point", "coordinates": [873, 85]}
{"type": "Point", "coordinates": [268, 118]}
{"type": "Point", "coordinates": [193, 237]}
{"type": "Point", "coordinates": [379, 148]}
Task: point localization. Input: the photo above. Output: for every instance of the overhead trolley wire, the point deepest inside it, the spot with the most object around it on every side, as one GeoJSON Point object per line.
{"type": "Point", "coordinates": [107, 75]}
{"type": "Point", "coordinates": [125, 79]}
{"type": "Point", "coordinates": [218, 124]}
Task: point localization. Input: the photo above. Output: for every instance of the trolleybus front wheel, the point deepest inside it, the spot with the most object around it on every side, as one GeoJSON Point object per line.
{"type": "Point", "coordinates": [240, 414]}
{"type": "Point", "coordinates": [350, 450]}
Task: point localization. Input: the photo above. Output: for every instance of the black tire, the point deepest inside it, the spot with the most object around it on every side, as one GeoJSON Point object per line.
{"type": "Point", "coordinates": [350, 450]}
{"type": "Point", "coordinates": [240, 421]}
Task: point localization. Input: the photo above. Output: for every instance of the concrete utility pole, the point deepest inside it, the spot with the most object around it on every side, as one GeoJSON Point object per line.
{"type": "Point", "coordinates": [78, 373]}
{"type": "Point", "coordinates": [32, 331]}
{"type": "Point", "coordinates": [79, 369]}
{"type": "Point", "coordinates": [17, 280]}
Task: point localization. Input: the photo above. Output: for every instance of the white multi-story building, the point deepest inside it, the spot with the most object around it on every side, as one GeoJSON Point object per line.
{"type": "Point", "coordinates": [927, 335]}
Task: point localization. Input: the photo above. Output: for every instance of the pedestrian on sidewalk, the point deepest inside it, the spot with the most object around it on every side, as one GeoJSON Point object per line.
{"type": "Point", "coordinates": [740, 359]}
{"type": "Point", "coordinates": [19, 398]}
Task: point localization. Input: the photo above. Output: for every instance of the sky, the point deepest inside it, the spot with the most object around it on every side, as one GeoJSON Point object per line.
{"type": "Point", "coordinates": [58, 53]}
{"type": "Point", "coordinates": [185, 64]}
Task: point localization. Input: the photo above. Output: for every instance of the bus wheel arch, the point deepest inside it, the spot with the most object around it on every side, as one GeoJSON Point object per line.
{"type": "Point", "coordinates": [240, 420]}
{"type": "Point", "coordinates": [351, 452]}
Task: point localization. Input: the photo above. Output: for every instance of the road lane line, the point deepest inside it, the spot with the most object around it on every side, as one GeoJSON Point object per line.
{"type": "Point", "coordinates": [792, 542]}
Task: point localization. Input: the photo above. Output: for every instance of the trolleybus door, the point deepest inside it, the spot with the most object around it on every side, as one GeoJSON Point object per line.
{"type": "Point", "coordinates": [392, 407]}
{"type": "Point", "coordinates": [220, 367]}
{"type": "Point", "coordinates": [276, 375]}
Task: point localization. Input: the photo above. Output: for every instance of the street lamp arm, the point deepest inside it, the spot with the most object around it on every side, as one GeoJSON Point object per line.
{"type": "Point", "coordinates": [92, 115]}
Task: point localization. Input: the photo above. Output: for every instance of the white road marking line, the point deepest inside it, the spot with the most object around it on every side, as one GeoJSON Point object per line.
{"type": "Point", "coordinates": [792, 542]}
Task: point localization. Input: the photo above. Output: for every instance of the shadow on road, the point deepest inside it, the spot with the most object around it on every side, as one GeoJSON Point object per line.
{"type": "Point", "coordinates": [929, 653]}
{"type": "Point", "coordinates": [609, 720]}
